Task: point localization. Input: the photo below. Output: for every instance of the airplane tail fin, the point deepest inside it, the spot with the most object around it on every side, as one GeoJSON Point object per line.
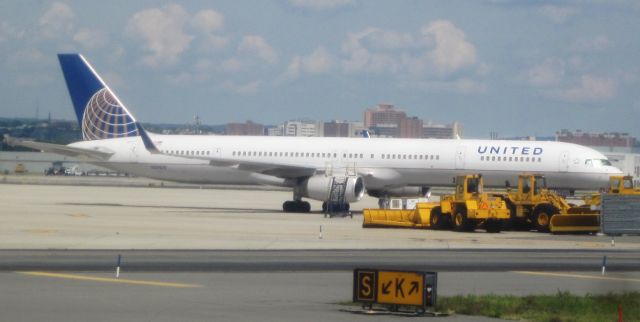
{"type": "Point", "coordinates": [99, 111]}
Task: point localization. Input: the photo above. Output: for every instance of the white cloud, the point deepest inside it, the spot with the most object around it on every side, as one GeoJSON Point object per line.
{"type": "Point", "coordinates": [439, 49]}
{"type": "Point", "coordinates": [256, 45]}
{"type": "Point", "coordinates": [452, 51]}
{"type": "Point", "coordinates": [557, 14]}
{"type": "Point", "coordinates": [90, 38]}
{"type": "Point", "coordinates": [362, 59]}
{"type": "Point", "coordinates": [385, 39]}
{"type": "Point", "coordinates": [211, 42]}
{"type": "Point", "coordinates": [232, 65]}
{"type": "Point", "coordinates": [208, 21]}
{"type": "Point", "coordinates": [596, 43]}
{"type": "Point", "coordinates": [27, 56]}
{"type": "Point", "coordinates": [32, 79]}
{"type": "Point", "coordinates": [56, 20]}
{"type": "Point", "coordinates": [590, 89]}
{"type": "Point", "coordinates": [247, 88]}
{"type": "Point", "coordinates": [7, 31]}
{"type": "Point", "coordinates": [320, 61]}
{"type": "Point", "coordinates": [163, 32]}
{"type": "Point", "coordinates": [549, 72]}
{"type": "Point", "coordinates": [459, 86]}
{"type": "Point", "coordinates": [321, 4]}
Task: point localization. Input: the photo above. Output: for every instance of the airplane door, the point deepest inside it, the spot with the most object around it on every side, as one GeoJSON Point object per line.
{"type": "Point", "coordinates": [217, 152]}
{"type": "Point", "coordinates": [460, 160]}
{"type": "Point", "coordinates": [564, 161]}
{"type": "Point", "coordinates": [133, 154]}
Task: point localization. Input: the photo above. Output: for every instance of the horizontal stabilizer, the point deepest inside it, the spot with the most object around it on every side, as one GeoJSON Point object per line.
{"type": "Point", "coordinates": [60, 149]}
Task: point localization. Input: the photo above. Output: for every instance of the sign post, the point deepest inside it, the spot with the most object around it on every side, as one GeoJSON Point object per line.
{"type": "Point", "coordinates": [387, 287]}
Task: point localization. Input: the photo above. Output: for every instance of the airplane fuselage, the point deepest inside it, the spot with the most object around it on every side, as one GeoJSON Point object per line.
{"type": "Point", "coordinates": [383, 163]}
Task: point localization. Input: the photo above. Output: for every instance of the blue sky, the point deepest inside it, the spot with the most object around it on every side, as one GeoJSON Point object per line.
{"type": "Point", "coordinates": [514, 67]}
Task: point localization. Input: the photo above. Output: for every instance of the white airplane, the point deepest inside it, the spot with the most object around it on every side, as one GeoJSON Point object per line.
{"type": "Point", "coordinates": [337, 171]}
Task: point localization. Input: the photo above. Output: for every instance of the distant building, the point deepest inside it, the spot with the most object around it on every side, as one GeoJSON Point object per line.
{"type": "Point", "coordinates": [337, 129]}
{"type": "Point", "coordinates": [383, 114]}
{"type": "Point", "coordinates": [303, 128]}
{"type": "Point", "coordinates": [385, 120]}
{"type": "Point", "coordinates": [441, 131]}
{"type": "Point", "coordinates": [246, 128]}
{"type": "Point", "coordinates": [604, 142]}
{"type": "Point", "coordinates": [410, 127]}
{"type": "Point", "coordinates": [275, 130]}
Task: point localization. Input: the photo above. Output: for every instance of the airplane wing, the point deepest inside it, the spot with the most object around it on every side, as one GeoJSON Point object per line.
{"type": "Point", "coordinates": [60, 149]}
{"type": "Point", "coordinates": [277, 170]}
{"type": "Point", "coordinates": [273, 169]}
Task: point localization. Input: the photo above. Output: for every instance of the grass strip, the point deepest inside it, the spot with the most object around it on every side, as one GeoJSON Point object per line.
{"type": "Point", "coordinates": [561, 307]}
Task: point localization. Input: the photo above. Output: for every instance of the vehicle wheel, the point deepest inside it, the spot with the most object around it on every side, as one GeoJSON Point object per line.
{"type": "Point", "coordinates": [324, 206]}
{"type": "Point", "coordinates": [305, 207]}
{"type": "Point", "coordinates": [436, 220]}
{"type": "Point", "coordinates": [541, 219]}
{"type": "Point", "coordinates": [461, 222]}
{"type": "Point", "coordinates": [493, 226]}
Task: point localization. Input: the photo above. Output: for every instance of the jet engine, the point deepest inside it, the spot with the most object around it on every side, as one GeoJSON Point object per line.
{"type": "Point", "coordinates": [400, 192]}
{"type": "Point", "coordinates": [319, 187]}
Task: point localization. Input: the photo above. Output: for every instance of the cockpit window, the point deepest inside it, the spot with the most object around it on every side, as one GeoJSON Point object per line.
{"type": "Point", "coordinates": [597, 162]}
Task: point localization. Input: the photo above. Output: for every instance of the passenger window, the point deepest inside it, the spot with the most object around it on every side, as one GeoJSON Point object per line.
{"type": "Point", "coordinates": [493, 158]}
{"type": "Point", "coordinates": [482, 158]}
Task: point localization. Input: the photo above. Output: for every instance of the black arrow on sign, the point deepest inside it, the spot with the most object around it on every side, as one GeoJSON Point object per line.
{"type": "Point", "coordinates": [385, 288]}
{"type": "Point", "coordinates": [399, 282]}
{"type": "Point", "coordinates": [414, 287]}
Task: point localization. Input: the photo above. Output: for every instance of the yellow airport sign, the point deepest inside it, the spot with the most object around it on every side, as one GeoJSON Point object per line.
{"type": "Point", "coordinates": [394, 287]}
{"type": "Point", "coordinates": [366, 285]}
{"type": "Point", "coordinates": [400, 288]}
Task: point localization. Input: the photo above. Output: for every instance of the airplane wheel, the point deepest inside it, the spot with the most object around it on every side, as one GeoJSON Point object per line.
{"type": "Point", "coordinates": [324, 206]}
{"type": "Point", "coordinates": [305, 207]}
{"type": "Point", "coordinates": [287, 206]}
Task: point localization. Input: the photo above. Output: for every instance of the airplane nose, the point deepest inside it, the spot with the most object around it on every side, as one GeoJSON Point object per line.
{"type": "Point", "coordinates": [615, 171]}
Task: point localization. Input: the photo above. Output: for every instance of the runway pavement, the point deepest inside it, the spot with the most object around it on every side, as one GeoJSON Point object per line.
{"type": "Point", "coordinates": [92, 217]}
{"type": "Point", "coordinates": [318, 260]}
{"type": "Point", "coordinates": [251, 296]}
{"type": "Point", "coordinates": [231, 255]}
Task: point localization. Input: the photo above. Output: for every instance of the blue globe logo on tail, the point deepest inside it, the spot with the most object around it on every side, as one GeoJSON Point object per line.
{"type": "Point", "coordinates": [104, 118]}
{"type": "Point", "coordinates": [99, 111]}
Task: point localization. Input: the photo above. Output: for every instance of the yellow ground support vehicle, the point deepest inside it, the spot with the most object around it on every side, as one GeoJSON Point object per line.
{"type": "Point", "coordinates": [532, 204]}
{"type": "Point", "coordinates": [622, 185]}
{"type": "Point", "coordinates": [465, 210]}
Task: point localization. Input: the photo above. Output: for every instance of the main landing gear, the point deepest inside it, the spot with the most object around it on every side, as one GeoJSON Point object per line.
{"type": "Point", "coordinates": [296, 206]}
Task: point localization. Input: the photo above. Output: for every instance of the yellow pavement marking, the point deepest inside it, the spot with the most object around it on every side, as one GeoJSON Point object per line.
{"type": "Point", "coordinates": [592, 277]}
{"type": "Point", "coordinates": [108, 279]}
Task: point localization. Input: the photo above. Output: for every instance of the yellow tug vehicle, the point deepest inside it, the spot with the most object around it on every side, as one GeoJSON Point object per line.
{"type": "Point", "coordinates": [532, 205]}
{"type": "Point", "coordinates": [589, 213]}
{"type": "Point", "coordinates": [465, 210]}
